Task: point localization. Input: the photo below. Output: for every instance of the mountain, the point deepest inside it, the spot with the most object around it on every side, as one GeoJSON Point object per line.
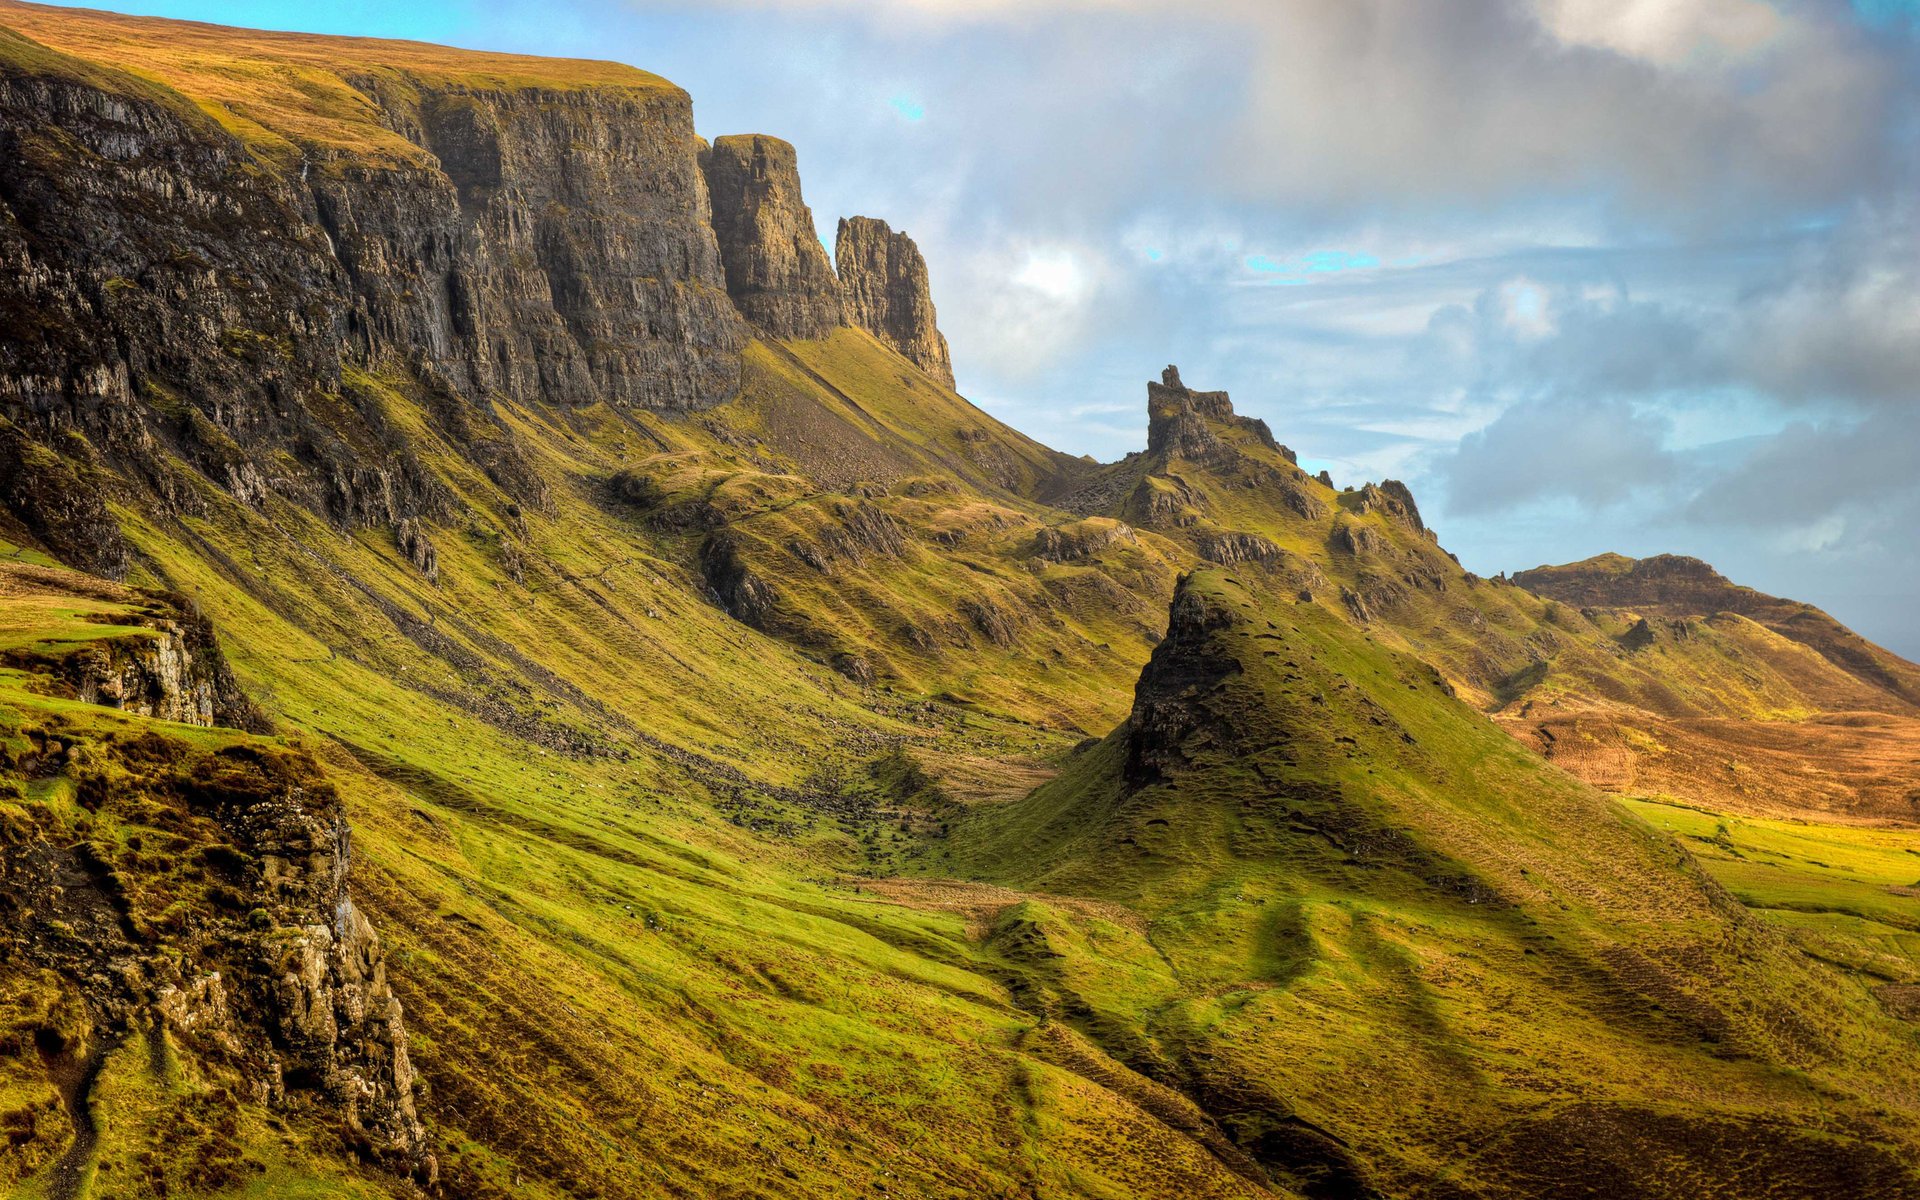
{"type": "Point", "coordinates": [519, 676]}
{"type": "Point", "coordinates": [1769, 707]}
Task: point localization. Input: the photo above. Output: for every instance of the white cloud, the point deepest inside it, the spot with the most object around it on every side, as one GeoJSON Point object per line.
{"type": "Point", "coordinates": [1671, 33]}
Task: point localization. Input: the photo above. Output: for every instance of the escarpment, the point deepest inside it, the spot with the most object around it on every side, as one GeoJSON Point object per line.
{"type": "Point", "coordinates": [883, 283]}
{"type": "Point", "coordinates": [777, 270]}
{"type": "Point", "coordinates": [178, 293]}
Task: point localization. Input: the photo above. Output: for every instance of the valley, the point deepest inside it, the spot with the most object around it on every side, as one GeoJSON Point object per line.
{"type": "Point", "coordinates": [519, 677]}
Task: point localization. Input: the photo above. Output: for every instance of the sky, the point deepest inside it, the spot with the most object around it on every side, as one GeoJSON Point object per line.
{"type": "Point", "coordinates": [1589, 275]}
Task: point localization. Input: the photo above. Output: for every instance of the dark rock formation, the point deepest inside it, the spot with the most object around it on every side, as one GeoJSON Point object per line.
{"type": "Point", "coordinates": [733, 584]}
{"type": "Point", "coordinates": [170, 296]}
{"type": "Point", "coordinates": [1178, 416]}
{"type": "Point", "coordinates": [1187, 665]}
{"type": "Point", "coordinates": [58, 506]}
{"type": "Point", "coordinates": [1183, 423]}
{"type": "Point", "coordinates": [883, 285]}
{"type": "Point", "coordinates": [1640, 636]}
{"type": "Point", "coordinates": [777, 270]}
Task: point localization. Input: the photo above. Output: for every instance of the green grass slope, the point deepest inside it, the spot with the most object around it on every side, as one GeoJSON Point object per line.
{"type": "Point", "coordinates": [1386, 947]}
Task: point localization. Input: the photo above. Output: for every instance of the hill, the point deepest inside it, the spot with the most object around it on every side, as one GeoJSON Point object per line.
{"type": "Point", "coordinates": [518, 677]}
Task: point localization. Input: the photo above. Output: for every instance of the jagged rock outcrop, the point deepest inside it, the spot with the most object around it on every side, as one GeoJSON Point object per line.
{"type": "Point", "coordinates": [777, 270]}
{"type": "Point", "coordinates": [1080, 540]}
{"type": "Point", "coordinates": [1352, 537]}
{"type": "Point", "coordinates": [166, 665]}
{"type": "Point", "coordinates": [1229, 548]}
{"type": "Point", "coordinates": [1392, 498]}
{"type": "Point", "coordinates": [266, 971]}
{"type": "Point", "coordinates": [418, 548]}
{"type": "Point", "coordinates": [733, 584]}
{"type": "Point", "coordinates": [1180, 421]}
{"type": "Point", "coordinates": [174, 294]}
{"type": "Point", "coordinates": [884, 288]}
{"type": "Point", "coordinates": [1187, 664]}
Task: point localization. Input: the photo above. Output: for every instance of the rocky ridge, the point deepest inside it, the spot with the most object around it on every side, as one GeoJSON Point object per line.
{"type": "Point", "coordinates": [1673, 585]}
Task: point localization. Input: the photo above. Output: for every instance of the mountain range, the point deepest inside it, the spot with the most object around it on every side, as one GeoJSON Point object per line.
{"type": "Point", "coordinates": [520, 677]}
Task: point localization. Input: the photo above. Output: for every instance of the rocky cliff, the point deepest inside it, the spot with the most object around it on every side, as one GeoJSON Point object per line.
{"type": "Point", "coordinates": [197, 895]}
{"type": "Point", "coordinates": [1181, 423]}
{"type": "Point", "coordinates": [168, 665]}
{"type": "Point", "coordinates": [883, 282]}
{"type": "Point", "coordinates": [777, 270]}
{"type": "Point", "coordinates": [178, 291]}
{"type": "Point", "coordinates": [250, 957]}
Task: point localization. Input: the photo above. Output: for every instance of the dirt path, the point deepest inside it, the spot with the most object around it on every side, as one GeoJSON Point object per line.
{"type": "Point", "coordinates": [75, 1077]}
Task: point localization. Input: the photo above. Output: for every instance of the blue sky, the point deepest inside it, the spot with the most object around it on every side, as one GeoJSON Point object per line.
{"type": "Point", "coordinates": [1635, 275]}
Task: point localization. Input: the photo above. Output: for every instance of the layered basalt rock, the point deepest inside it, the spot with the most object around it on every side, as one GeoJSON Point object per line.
{"type": "Point", "coordinates": [173, 295]}
{"type": "Point", "coordinates": [884, 288]}
{"type": "Point", "coordinates": [777, 270]}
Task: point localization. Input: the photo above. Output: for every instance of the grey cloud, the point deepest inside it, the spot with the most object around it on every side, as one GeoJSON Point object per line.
{"type": "Point", "coordinates": [1597, 454]}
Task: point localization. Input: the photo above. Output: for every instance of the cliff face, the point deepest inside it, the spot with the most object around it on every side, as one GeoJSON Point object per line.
{"type": "Point", "coordinates": [883, 282]}
{"type": "Point", "coordinates": [556, 249]}
{"type": "Point", "coordinates": [777, 270]}
{"type": "Point", "coordinates": [256, 962]}
{"type": "Point", "coordinates": [172, 292]}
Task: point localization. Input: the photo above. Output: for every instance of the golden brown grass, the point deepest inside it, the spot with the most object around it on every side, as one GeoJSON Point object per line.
{"type": "Point", "coordinates": [293, 92]}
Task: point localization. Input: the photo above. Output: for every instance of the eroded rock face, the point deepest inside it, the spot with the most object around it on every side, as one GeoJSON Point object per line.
{"type": "Point", "coordinates": [777, 270]}
{"type": "Point", "coordinates": [169, 296]}
{"type": "Point", "coordinates": [274, 980]}
{"type": "Point", "coordinates": [171, 669]}
{"type": "Point", "coordinates": [1185, 666]}
{"type": "Point", "coordinates": [1181, 422]}
{"type": "Point", "coordinates": [1393, 498]}
{"type": "Point", "coordinates": [883, 285]}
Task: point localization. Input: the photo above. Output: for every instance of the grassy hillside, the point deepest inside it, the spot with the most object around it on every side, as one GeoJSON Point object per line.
{"type": "Point", "coordinates": [1357, 914]}
{"type": "Point", "coordinates": [833, 792]}
{"type": "Point", "coordinates": [620, 842]}
{"type": "Point", "coordinates": [287, 94]}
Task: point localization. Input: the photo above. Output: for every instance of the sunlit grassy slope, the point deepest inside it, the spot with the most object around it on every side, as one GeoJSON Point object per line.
{"type": "Point", "coordinates": [607, 829]}
{"type": "Point", "coordinates": [1359, 914]}
{"type": "Point", "coordinates": [748, 806]}
{"type": "Point", "coordinates": [618, 841]}
{"type": "Point", "coordinates": [286, 93]}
